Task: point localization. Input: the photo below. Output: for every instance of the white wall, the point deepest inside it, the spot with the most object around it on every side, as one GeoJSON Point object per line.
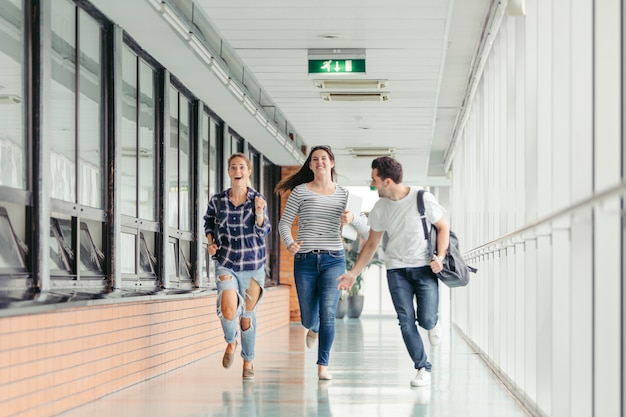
{"type": "Point", "coordinates": [545, 132]}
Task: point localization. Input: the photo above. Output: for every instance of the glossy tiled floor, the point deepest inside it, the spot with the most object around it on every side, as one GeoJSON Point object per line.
{"type": "Point", "coordinates": [371, 371]}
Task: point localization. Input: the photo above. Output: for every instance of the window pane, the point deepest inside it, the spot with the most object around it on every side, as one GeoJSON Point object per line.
{"type": "Point", "coordinates": [60, 251]}
{"type": "Point", "coordinates": [172, 257]}
{"type": "Point", "coordinates": [185, 265]}
{"type": "Point", "coordinates": [172, 160]}
{"type": "Point", "coordinates": [185, 165]}
{"type": "Point", "coordinates": [10, 255]}
{"type": "Point", "coordinates": [204, 169]}
{"type": "Point", "coordinates": [62, 102]}
{"type": "Point", "coordinates": [213, 159]}
{"type": "Point", "coordinates": [147, 261]}
{"type": "Point", "coordinates": [147, 144]}
{"type": "Point", "coordinates": [91, 144]}
{"type": "Point", "coordinates": [12, 142]}
{"type": "Point", "coordinates": [91, 257]}
{"type": "Point", "coordinates": [128, 141]}
{"type": "Point", "coordinates": [128, 253]}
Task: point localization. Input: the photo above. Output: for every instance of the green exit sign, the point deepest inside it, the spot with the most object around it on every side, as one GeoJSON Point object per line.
{"type": "Point", "coordinates": [336, 66]}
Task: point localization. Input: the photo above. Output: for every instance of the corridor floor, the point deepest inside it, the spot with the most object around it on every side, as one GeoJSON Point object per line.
{"type": "Point", "coordinates": [371, 373]}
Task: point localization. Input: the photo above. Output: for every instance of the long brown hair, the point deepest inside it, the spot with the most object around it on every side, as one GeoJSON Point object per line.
{"type": "Point", "coordinates": [305, 174]}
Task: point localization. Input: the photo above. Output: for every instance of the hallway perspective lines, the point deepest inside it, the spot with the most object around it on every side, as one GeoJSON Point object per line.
{"type": "Point", "coordinates": [371, 374]}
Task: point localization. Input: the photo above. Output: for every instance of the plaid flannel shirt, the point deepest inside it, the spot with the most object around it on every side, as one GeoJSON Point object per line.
{"type": "Point", "coordinates": [241, 242]}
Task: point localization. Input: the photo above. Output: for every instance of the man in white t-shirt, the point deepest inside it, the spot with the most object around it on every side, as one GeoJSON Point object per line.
{"type": "Point", "coordinates": [410, 271]}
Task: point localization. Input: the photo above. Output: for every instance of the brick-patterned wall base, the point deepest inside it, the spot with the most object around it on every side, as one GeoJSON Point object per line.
{"type": "Point", "coordinates": [54, 361]}
{"type": "Point", "coordinates": [286, 258]}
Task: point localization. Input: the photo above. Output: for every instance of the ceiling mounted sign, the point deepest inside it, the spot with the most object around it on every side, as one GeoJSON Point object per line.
{"type": "Point", "coordinates": [336, 61]}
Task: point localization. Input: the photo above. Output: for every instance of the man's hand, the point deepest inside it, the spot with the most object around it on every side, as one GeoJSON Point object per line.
{"type": "Point", "coordinates": [436, 264]}
{"type": "Point", "coordinates": [346, 281]}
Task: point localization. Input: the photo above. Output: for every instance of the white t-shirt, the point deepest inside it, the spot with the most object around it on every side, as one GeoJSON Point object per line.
{"type": "Point", "coordinates": [406, 247]}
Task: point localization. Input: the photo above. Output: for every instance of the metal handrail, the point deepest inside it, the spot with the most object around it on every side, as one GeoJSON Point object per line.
{"type": "Point", "coordinates": [488, 248]}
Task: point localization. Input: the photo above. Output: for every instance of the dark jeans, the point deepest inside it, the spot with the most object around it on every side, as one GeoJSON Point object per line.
{"type": "Point", "coordinates": [405, 285]}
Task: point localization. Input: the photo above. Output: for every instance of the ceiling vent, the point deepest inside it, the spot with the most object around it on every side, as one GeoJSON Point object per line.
{"type": "Point", "coordinates": [350, 84]}
{"type": "Point", "coordinates": [355, 96]}
{"type": "Point", "coordinates": [371, 152]}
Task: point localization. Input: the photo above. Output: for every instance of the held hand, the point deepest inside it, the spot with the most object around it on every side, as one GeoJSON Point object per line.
{"type": "Point", "coordinates": [346, 217]}
{"type": "Point", "coordinates": [436, 265]}
{"type": "Point", "coordinates": [259, 205]}
{"type": "Point", "coordinates": [212, 249]}
{"type": "Point", "coordinates": [294, 247]}
{"type": "Point", "coordinates": [346, 281]}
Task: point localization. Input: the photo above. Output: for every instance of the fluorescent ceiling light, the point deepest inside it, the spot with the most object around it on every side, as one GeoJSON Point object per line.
{"type": "Point", "coordinates": [273, 131]}
{"type": "Point", "coordinates": [219, 71]}
{"type": "Point", "coordinates": [262, 120]}
{"type": "Point", "coordinates": [281, 139]}
{"type": "Point", "coordinates": [200, 49]}
{"type": "Point", "coordinates": [249, 104]}
{"type": "Point", "coordinates": [371, 152]}
{"type": "Point", "coordinates": [351, 84]}
{"type": "Point", "coordinates": [157, 4]}
{"type": "Point", "coordinates": [10, 99]}
{"type": "Point", "coordinates": [235, 89]}
{"type": "Point", "coordinates": [355, 96]}
{"type": "Point", "coordinates": [170, 15]}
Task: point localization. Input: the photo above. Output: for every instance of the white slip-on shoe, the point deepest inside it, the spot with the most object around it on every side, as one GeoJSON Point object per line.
{"type": "Point", "coordinates": [434, 335]}
{"type": "Point", "coordinates": [311, 338]}
{"type": "Point", "coordinates": [422, 378]}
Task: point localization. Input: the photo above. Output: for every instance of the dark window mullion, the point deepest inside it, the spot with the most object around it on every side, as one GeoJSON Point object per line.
{"type": "Point", "coordinates": [75, 224]}
{"type": "Point", "coordinates": [137, 142]}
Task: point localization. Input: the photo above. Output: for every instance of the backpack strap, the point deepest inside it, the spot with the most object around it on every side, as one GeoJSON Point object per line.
{"type": "Point", "coordinates": [422, 211]}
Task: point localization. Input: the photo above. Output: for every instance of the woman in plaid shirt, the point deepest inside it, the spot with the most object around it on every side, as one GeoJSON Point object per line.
{"type": "Point", "coordinates": [236, 224]}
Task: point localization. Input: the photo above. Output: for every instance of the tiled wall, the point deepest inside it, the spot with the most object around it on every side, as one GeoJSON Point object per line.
{"type": "Point", "coordinates": [59, 359]}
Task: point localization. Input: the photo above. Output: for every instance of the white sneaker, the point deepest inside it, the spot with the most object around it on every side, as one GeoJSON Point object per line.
{"type": "Point", "coordinates": [422, 378]}
{"type": "Point", "coordinates": [434, 335]}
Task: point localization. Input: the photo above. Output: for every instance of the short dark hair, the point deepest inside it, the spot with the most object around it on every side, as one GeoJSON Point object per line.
{"type": "Point", "coordinates": [388, 167]}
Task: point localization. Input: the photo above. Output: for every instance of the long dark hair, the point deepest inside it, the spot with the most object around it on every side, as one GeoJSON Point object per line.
{"type": "Point", "coordinates": [305, 174]}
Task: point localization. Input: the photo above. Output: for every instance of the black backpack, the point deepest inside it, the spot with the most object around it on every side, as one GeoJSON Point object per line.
{"type": "Point", "coordinates": [455, 272]}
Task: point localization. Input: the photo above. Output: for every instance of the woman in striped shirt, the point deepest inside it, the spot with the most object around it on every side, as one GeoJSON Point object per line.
{"type": "Point", "coordinates": [319, 203]}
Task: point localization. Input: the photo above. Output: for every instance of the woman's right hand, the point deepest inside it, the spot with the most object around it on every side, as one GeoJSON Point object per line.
{"type": "Point", "coordinates": [294, 247]}
{"type": "Point", "coordinates": [212, 249]}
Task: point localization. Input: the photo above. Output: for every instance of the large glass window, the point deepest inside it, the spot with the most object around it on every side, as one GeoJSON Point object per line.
{"type": "Point", "coordinates": [179, 162]}
{"type": "Point", "coordinates": [180, 188]}
{"type": "Point", "coordinates": [138, 141]}
{"type": "Point", "coordinates": [208, 182]}
{"type": "Point", "coordinates": [138, 172]}
{"type": "Point", "coordinates": [91, 145]}
{"type": "Point", "coordinates": [77, 147]}
{"type": "Point", "coordinates": [12, 138]}
{"type": "Point", "coordinates": [76, 107]}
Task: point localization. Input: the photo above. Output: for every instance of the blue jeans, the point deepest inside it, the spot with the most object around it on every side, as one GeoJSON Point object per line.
{"type": "Point", "coordinates": [239, 282]}
{"type": "Point", "coordinates": [406, 284]}
{"type": "Point", "coordinates": [316, 284]}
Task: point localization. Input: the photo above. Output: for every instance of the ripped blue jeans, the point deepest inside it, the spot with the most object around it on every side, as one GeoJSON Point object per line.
{"type": "Point", "coordinates": [240, 282]}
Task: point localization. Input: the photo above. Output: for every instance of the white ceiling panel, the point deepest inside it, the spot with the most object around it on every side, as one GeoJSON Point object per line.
{"type": "Point", "coordinates": [424, 48]}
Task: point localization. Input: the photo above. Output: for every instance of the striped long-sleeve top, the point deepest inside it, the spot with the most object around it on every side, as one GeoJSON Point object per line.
{"type": "Point", "coordinates": [319, 218]}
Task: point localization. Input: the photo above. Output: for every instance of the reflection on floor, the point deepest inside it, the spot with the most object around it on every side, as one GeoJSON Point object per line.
{"type": "Point", "coordinates": [371, 373]}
